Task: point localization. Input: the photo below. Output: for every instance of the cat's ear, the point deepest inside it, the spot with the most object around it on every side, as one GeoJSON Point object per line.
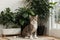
{"type": "Point", "coordinates": [36, 15]}
{"type": "Point", "coordinates": [29, 16]}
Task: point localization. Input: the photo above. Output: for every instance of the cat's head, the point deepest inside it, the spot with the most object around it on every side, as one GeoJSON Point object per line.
{"type": "Point", "coordinates": [33, 18]}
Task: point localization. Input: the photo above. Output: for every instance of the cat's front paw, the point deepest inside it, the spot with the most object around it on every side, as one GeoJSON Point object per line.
{"type": "Point", "coordinates": [31, 37]}
{"type": "Point", "coordinates": [35, 37]}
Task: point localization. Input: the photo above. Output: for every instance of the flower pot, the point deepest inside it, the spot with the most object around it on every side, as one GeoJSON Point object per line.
{"type": "Point", "coordinates": [11, 31]}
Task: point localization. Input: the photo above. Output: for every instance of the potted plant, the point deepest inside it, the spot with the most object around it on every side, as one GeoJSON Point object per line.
{"type": "Point", "coordinates": [7, 18]}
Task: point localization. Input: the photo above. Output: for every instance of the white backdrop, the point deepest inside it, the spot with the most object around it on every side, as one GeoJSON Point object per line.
{"type": "Point", "coordinates": [13, 4]}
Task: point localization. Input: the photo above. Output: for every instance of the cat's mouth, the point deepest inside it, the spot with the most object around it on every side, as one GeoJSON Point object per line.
{"type": "Point", "coordinates": [34, 22]}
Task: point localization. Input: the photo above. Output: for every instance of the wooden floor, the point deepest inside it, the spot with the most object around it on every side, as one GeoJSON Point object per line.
{"type": "Point", "coordinates": [39, 38]}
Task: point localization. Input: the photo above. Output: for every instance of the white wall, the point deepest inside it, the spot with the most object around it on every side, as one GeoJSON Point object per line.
{"type": "Point", "coordinates": [13, 4]}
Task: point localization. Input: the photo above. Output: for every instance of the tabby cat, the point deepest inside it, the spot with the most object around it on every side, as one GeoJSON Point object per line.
{"type": "Point", "coordinates": [30, 30]}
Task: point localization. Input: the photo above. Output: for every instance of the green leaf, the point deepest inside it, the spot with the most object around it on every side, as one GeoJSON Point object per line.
{"type": "Point", "coordinates": [51, 3]}
{"type": "Point", "coordinates": [32, 13]}
{"type": "Point", "coordinates": [50, 7]}
{"type": "Point", "coordinates": [7, 10]}
{"type": "Point", "coordinates": [25, 15]}
{"type": "Point", "coordinates": [21, 22]}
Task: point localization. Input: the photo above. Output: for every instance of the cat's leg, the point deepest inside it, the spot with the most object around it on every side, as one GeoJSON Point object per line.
{"type": "Point", "coordinates": [35, 34]}
{"type": "Point", "coordinates": [31, 35]}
